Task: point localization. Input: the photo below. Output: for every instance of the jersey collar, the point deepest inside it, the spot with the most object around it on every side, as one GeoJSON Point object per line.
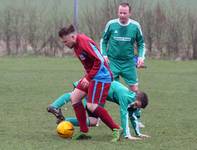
{"type": "Point", "coordinates": [124, 24]}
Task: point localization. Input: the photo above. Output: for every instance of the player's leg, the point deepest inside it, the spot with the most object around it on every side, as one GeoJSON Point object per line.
{"type": "Point", "coordinates": [59, 102]}
{"type": "Point", "coordinates": [76, 100]}
{"type": "Point", "coordinates": [91, 121]}
{"type": "Point", "coordinates": [97, 94]}
{"type": "Point", "coordinates": [129, 74]}
{"type": "Point", "coordinates": [55, 109]}
{"type": "Point", "coordinates": [138, 115]}
{"type": "Point", "coordinates": [115, 68]}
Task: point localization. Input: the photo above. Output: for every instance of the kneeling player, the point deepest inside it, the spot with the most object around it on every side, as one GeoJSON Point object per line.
{"type": "Point", "coordinates": [127, 100]}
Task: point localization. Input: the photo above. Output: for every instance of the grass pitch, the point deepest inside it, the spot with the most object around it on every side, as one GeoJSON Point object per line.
{"type": "Point", "coordinates": [28, 85]}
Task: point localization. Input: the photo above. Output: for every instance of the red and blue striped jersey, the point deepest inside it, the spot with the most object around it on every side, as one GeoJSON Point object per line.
{"type": "Point", "coordinates": [90, 56]}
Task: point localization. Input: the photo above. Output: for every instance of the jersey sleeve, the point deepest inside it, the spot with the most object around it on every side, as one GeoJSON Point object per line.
{"type": "Point", "coordinates": [134, 123]}
{"type": "Point", "coordinates": [104, 39]}
{"type": "Point", "coordinates": [140, 42]}
{"type": "Point", "coordinates": [94, 54]}
{"type": "Point", "coordinates": [124, 117]}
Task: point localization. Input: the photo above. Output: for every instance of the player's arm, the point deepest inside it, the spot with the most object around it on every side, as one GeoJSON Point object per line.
{"type": "Point", "coordinates": [140, 42]}
{"type": "Point", "coordinates": [134, 122]}
{"type": "Point", "coordinates": [94, 54]}
{"type": "Point", "coordinates": [124, 117]}
{"type": "Point", "coordinates": [140, 46]}
{"type": "Point", "coordinates": [125, 123]}
{"type": "Point", "coordinates": [104, 39]}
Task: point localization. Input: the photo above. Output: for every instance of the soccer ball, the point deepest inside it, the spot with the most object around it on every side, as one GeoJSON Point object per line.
{"type": "Point", "coordinates": [65, 129]}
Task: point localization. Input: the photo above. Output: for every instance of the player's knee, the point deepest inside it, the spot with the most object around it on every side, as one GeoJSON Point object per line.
{"type": "Point", "coordinates": [93, 121]}
{"type": "Point", "coordinates": [76, 96]}
{"type": "Point", "coordinates": [73, 99]}
{"type": "Point", "coordinates": [91, 107]}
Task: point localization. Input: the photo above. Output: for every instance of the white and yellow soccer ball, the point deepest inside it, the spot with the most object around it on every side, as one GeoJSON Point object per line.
{"type": "Point", "coordinates": [65, 129]}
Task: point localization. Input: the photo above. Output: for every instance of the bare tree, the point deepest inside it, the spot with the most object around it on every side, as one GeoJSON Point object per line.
{"type": "Point", "coordinates": [32, 28]}
{"type": "Point", "coordinates": [159, 26]}
{"type": "Point", "coordinates": [7, 28]}
{"type": "Point", "coordinates": [91, 24]}
{"type": "Point", "coordinates": [148, 23]}
{"type": "Point", "coordinates": [174, 33]}
{"type": "Point", "coordinates": [18, 25]}
{"type": "Point", "coordinates": [94, 18]}
{"type": "Point", "coordinates": [192, 34]}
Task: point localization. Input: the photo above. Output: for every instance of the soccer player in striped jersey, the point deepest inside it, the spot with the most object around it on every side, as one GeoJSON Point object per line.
{"type": "Point", "coordinates": [127, 100]}
{"type": "Point", "coordinates": [95, 84]}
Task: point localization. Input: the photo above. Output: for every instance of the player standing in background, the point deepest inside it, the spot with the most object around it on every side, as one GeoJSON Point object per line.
{"type": "Point", "coordinates": [95, 84]}
{"type": "Point", "coordinates": [117, 46]}
{"type": "Point", "coordinates": [118, 43]}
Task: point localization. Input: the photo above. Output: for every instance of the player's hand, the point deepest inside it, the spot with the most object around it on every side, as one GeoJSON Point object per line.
{"type": "Point", "coordinates": [84, 83]}
{"type": "Point", "coordinates": [106, 59]}
{"type": "Point", "coordinates": [140, 62]}
{"type": "Point", "coordinates": [133, 138]}
{"type": "Point", "coordinates": [143, 136]}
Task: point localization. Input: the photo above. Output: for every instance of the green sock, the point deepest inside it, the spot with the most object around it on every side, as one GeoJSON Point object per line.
{"type": "Point", "coordinates": [75, 122]}
{"type": "Point", "coordinates": [59, 102]}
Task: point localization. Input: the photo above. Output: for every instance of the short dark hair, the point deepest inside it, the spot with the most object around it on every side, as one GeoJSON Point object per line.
{"type": "Point", "coordinates": [143, 97]}
{"type": "Point", "coordinates": [124, 4]}
{"type": "Point", "coordinates": [66, 30]}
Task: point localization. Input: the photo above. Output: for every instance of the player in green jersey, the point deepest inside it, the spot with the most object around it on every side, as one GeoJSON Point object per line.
{"type": "Point", "coordinates": [117, 45]}
{"type": "Point", "coordinates": [127, 100]}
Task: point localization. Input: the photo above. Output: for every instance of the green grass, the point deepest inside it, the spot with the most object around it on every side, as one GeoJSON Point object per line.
{"type": "Point", "coordinates": [28, 85]}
